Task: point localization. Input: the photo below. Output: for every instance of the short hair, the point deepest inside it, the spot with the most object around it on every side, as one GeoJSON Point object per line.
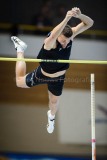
{"type": "Point", "coordinates": [67, 31]}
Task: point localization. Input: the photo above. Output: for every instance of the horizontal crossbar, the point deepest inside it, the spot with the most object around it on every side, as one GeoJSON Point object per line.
{"type": "Point", "coordinates": [53, 61]}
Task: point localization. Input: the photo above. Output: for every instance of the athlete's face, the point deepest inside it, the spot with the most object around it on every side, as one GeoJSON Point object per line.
{"type": "Point", "coordinates": [63, 40]}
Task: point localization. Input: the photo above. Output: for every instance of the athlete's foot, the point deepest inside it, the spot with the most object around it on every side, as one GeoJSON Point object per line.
{"type": "Point", "coordinates": [19, 43]}
{"type": "Point", "coordinates": [51, 122]}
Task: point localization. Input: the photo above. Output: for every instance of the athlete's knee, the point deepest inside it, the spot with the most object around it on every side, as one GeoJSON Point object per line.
{"type": "Point", "coordinates": [54, 101]}
{"type": "Point", "coordinates": [20, 83]}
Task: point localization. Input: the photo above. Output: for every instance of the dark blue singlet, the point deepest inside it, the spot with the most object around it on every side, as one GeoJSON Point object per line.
{"type": "Point", "coordinates": [55, 54]}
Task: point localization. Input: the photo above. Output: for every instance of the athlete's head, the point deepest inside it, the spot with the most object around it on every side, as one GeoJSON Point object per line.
{"type": "Point", "coordinates": [65, 36]}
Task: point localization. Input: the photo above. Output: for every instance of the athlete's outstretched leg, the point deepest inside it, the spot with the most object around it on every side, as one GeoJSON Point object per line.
{"type": "Point", "coordinates": [20, 47]}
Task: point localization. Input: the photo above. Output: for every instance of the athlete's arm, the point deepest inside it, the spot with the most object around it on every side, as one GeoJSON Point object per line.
{"type": "Point", "coordinates": [51, 40]}
{"type": "Point", "coordinates": [86, 23]}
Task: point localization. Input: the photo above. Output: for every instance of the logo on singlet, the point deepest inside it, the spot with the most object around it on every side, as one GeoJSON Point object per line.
{"type": "Point", "coordinates": [60, 49]}
{"type": "Point", "coordinates": [68, 46]}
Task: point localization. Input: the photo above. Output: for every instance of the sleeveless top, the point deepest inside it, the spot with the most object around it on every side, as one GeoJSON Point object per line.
{"type": "Point", "coordinates": [55, 54]}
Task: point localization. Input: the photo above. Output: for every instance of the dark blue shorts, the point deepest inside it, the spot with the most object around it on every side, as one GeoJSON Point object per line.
{"type": "Point", "coordinates": [55, 85]}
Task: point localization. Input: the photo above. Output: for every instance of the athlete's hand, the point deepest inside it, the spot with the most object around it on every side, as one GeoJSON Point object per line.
{"type": "Point", "coordinates": [69, 14]}
{"type": "Point", "coordinates": [76, 12]}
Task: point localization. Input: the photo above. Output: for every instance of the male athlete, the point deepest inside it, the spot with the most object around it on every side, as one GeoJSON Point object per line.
{"type": "Point", "coordinates": [57, 45]}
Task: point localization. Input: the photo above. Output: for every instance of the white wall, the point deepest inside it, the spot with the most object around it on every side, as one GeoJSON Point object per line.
{"type": "Point", "coordinates": [75, 117]}
{"type": "Point", "coordinates": [82, 49]}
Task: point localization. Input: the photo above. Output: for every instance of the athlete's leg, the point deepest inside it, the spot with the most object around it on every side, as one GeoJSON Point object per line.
{"type": "Point", "coordinates": [20, 71]}
{"type": "Point", "coordinates": [53, 103]}
{"type": "Point", "coordinates": [55, 87]}
{"type": "Point", "coordinates": [20, 65]}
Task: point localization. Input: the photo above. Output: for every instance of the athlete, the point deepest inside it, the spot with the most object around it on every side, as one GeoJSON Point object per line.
{"type": "Point", "coordinates": [57, 45]}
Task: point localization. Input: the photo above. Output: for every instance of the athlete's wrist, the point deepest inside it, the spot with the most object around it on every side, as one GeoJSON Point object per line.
{"type": "Point", "coordinates": [66, 19]}
{"type": "Point", "coordinates": [80, 16]}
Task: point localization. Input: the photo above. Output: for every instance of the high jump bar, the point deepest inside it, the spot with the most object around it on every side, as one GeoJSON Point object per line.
{"type": "Point", "coordinates": [54, 61]}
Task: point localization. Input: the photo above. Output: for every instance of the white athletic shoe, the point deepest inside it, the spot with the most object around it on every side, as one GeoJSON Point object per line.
{"type": "Point", "coordinates": [51, 122]}
{"type": "Point", "coordinates": [19, 43]}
